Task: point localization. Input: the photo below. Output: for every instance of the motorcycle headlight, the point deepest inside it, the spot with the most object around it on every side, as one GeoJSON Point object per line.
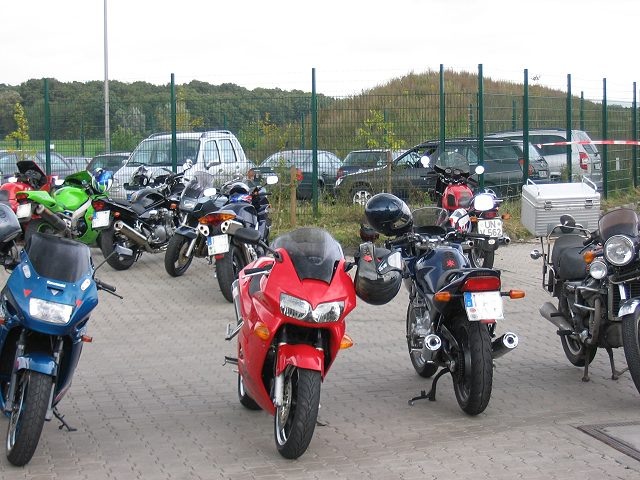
{"type": "Point", "coordinates": [619, 250]}
{"type": "Point", "coordinates": [188, 204]}
{"type": "Point", "coordinates": [301, 310]}
{"type": "Point", "coordinates": [598, 269]}
{"type": "Point", "coordinates": [50, 311]}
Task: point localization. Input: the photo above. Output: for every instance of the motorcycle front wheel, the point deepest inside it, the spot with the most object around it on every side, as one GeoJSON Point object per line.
{"type": "Point", "coordinates": [227, 269]}
{"type": "Point", "coordinates": [108, 240]}
{"type": "Point", "coordinates": [31, 401]}
{"type": "Point", "coordinates": [295, 420]}
{"type": "Point", "coordinates": [421, 367]}
{"type": "Point", "coordinates": [473, 376]}
{"type": "Point", "coordinates": [176, 261]}
{"type": "Point", "coordinates": [631, 344]}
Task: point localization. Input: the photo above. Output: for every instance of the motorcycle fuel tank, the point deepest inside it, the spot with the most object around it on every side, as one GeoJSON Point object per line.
{"type": "Point", "coordinates": [71, 197]}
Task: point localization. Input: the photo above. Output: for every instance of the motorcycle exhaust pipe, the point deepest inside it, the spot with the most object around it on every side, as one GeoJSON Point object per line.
{"type": "Point", "coordinates": [503, 344]}
{"type": "Point", "coordinates": [121, 227]}
{"type": "Point", "coordinates": [550, 312]}
{"type": "Point", "coordinates": [51, 218]}
{"type": "Point", "coordinates": [432, 344]}
{"type": "Point", "coordinates": [504, 240]}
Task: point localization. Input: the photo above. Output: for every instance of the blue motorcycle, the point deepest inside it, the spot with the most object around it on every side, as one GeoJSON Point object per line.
{"type": "Point", "coordinates": [44, 310]}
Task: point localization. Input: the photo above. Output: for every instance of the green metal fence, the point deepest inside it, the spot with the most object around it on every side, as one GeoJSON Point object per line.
{"type": "Point", "coordinates": [278, 121]}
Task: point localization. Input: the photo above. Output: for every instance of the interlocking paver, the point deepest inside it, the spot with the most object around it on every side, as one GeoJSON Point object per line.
{"type": "Point", "coordinates": [151, 398]}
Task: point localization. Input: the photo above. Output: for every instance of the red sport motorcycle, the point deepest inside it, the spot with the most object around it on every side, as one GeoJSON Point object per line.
{"type": "Point", "coordinates": [29, 177]}
{"type": "Point", "coordinates": [290, 322]}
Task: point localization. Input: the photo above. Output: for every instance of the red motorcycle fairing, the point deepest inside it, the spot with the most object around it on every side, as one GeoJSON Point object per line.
{"type": "Point", "coordinates": [260, 302]}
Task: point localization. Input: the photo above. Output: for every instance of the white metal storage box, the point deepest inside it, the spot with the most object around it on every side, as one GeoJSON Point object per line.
{"type": "Point", "coordinates": [543, 204]}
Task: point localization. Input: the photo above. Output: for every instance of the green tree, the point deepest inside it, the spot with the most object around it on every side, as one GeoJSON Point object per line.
{"type": "Point", "coordinates": [21, 133]}
{"type": "Point", "coordinates": [377, 133]}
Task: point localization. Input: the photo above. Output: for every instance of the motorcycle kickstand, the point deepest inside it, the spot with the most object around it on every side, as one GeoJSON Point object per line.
{"type": "Point", "coordinates": [63, 422]}
{"type": "Point", "coordinates": [431, 396]}
{"type": "Point", "coordinates": [614, 373]}
{"type": "Point", "coordinates": [587, 353]}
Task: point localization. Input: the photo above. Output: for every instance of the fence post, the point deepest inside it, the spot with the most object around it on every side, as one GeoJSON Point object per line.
{"type": "Point", "coordinates": [525, 126]}
{"type": "Point", "coordinates": [293, 171]}
{"type": "Point", "coordinates": [480, 125]}
{"type": "Point", "coordinates": [568, 148]}
{"type": "Point", "coordinates": [47, 128]}
{"type": "Point", "coordinates": [634, 136]}
{"type": "Point", "coordinates": [605, 157]}
{"type": "Point", "coordinates": [174, 120]}
{"type": "Point", "coordinates": [314, 143]}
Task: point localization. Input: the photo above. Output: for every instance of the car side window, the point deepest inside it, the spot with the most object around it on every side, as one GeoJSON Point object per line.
{"type": "Point", "coordinates": [227, 152]}
{"type": "Point", "coordinates": [411, 160]}
{"type": "Point", "coordinates": [211, 155]}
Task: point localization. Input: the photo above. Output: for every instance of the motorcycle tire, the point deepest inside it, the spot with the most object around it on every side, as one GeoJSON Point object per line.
{"type": "Point", "coordinates": [631, 344]}
{"type": "Point", "coordinates": [38, 225]}
{"type": "Point", "coordinates": [473, 377]}
{"type": "Point", "coordinates": [422, 368]}
{"type": "Point", "coordinates": [176, 262]}
{"type": "Point", "coordinates": [295, 420]}
{"type": "Point", "coordinates": [28, 415]}
{"type": "Point", "coordinates": [227, 269]}
{"type": "Point", "coordinates": [245, 400]}
{"type": "Point", "coordinates": [577, 352]}
{"type": "Point", "coordinates": [481, 258]}
{"type": "Point", "coordinates": [107, 243]}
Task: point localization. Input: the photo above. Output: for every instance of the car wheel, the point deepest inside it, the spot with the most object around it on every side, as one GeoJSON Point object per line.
{"type": "Point", "coordinates": [361, 195]}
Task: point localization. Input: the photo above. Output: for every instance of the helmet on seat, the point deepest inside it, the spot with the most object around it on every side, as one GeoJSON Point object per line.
{"type": "Point", "coordinates": [379, 274]}
{"type": "Point", "coordinates": [101, 180]}
{"type": "Point", "coordinates": [235, 187]}
{"type": "Point", "coordinates": [388, 215]}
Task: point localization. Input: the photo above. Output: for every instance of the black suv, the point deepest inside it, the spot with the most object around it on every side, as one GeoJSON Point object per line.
{"type": "Point", "coordinates": [502, 159]}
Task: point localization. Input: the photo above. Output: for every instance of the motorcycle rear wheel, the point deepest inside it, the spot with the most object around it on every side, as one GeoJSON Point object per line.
{"type": "Point", "coordinates": [576, 351]}
{"type": "Point", "coordinates": [473, 378]}
{"type": "Point", "coordinates": [107, 245]}
{"type": "Point", "coordinates": [33, 390]}
{"type": "Point", "coordinates": [227, 269]}
{"type": "Point", "coordinates": [421, 367]}
{"type": "Point", "coordinates": [295, 420]}
{"type": "Point", "coordinates": [631, 344]}
{"type": "Point", "coordinates": [244, 398]}
{"type": "Point", "coordinates": [176, 262]}
{"type": "Point", "coordinates": [481, 258]}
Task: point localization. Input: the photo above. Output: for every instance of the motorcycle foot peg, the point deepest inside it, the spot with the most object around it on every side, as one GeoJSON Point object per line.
{"type": "Point", "coordinates": [563, 333]}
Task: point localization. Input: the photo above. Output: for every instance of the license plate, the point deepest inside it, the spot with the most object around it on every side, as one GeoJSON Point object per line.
{"type": "Point", "coordinates": [23, 210]}
{"type": "Point", "coordinates": [483, 306]}
{"type": "Point", "coordinates": [493, 228]}
{"type": "Point", "coordinates": [218, 244]}
{"type": "Point", "coordinates": [100, 219]}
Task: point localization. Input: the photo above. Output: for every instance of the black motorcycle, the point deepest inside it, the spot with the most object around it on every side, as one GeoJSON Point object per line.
{"type": "Point", "coordinates": [596, 278]}
{"type": "Point", "coordinates": [198, 199]}
{"type": "Point", "coordinates": [246, 207]}
{"type": "Point", "coordinates": [453, 308]}
{"type": "Point", "coordinates": [144, 224]}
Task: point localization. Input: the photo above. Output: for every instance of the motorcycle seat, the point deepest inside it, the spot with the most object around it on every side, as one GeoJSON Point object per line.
{"type": "Point", "coordinates": [567, 257]}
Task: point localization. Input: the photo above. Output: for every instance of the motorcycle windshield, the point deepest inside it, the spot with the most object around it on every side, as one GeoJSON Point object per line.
{"type": "Point", "coordinates": [58, 258]}
{"type": "Point", "coordinates": [313, 252]}
{"type": "Point", "coordinates": [430, 219]}
{"type": "Point", "coordinates": [622, 221]}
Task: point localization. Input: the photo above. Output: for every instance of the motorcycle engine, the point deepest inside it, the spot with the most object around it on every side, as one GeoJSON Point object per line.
{"type": "Point", "coordinates": [163, 226]}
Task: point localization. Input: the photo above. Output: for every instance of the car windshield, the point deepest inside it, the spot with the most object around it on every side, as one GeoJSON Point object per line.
{"type": "Point", "coordinates": [157, 152]}
{"type": "Point", "coordinates": [313, 252]}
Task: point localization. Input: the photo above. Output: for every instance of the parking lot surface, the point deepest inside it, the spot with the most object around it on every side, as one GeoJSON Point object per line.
{"type": "Point", "coordinates": [151, 398]}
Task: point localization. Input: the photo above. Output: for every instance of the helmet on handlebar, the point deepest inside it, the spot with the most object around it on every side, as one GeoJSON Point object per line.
{"type": "Point", "coordinates": [376, 282]}
{"type": "Point", "coordinates": [101, 180]}
{"type": "Point", "coordinates": [388, 215]}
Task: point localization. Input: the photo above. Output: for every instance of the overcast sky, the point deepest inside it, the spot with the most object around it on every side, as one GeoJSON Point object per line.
{"type": "Point", "coordinates": [354, 45]}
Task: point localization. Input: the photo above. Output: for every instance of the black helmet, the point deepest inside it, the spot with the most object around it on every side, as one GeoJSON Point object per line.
{"type": "Point", "coordinates": [388, 214]}
{"type": "Point", "coordinates": [379, 274]}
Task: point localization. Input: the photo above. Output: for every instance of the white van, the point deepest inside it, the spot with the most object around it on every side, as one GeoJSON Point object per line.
{"type": "Point", "coordinates": [585, 159]}
{"type": "Point", "coordinates": [216, 152]}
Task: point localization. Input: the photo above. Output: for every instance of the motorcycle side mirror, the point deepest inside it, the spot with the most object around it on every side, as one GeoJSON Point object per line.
{"type": "Point", "coordinates": [483, 202]}
{"type": "Point", "coordinates": [272, 179]}
{"type": "Point", "coordinates": [209, 192]}
{"type": "Point", "coordinates": [425, 161]}
{"type": "Point", "coordinates": [479, 170]}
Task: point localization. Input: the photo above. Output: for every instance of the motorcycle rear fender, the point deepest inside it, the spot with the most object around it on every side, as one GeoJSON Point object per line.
{"type": "Point", "coordinates": [187, 231]}
{"type": "Point", "coordinates": [628, 307]}
{"type": "Point", "coordinates": [488, 245]}
{"type": "Point", "coordinates": [37, 362]}
{"type": "Point", "coordinates": [301, 356]}
{"type": "Point", "coordinates": [42, 197]}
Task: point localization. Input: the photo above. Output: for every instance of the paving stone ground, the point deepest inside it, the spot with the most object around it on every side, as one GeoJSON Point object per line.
{"type": "Point", "coordinates": [152, 400]}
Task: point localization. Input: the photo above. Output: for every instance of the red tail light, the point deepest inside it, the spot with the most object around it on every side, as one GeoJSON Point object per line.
{"type": "Point", "coordinates": [299, 175]}
{"type": "Point", "coordinates": [481, 284]}
{"type": "Point", "coordinates": [489, 214]}
{"type": "Point", "coordinates": [216, 218]}
{"type": "Point", "coordinates": [584, 161]}
{"type": "Point", "coordinates": [531, 169]}
{"type": "Point", "coordinates": [98, 205]}
{"type": "Point", "coordinates": [22, 197]}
